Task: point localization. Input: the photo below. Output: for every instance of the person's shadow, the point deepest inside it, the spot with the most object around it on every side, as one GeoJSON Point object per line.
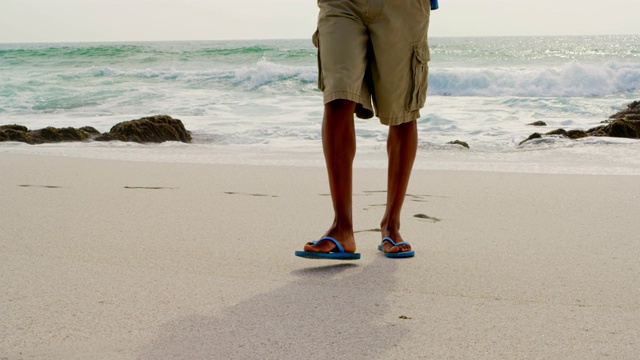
{"type": "Point", "coordinates": [330, 312]}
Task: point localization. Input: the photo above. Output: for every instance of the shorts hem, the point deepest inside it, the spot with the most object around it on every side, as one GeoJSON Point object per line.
{"type": "Point", "coordinates": [347, 95]}
{"type": "Point", "coordinates": [398, 120]}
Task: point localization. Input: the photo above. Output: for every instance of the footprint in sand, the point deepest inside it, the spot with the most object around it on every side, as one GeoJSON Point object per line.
{"type": "Point", "coordinates": [368, 230]}
{"type": "Point", "coordinates": [149, 188]}
{"type": "Point", "coordinates": [249, 194]}
{"type": "Point", "coordinates": [427, 217]}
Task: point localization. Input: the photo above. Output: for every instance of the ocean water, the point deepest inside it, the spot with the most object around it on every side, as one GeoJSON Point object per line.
{"type": "Point", "coordinates": [256, 101]}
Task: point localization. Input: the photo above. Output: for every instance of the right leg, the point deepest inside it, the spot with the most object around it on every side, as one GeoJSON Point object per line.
{"type": "Point", "coordinates": [342, 40]}
{"type": "Point", "coordinates": [339, 146]}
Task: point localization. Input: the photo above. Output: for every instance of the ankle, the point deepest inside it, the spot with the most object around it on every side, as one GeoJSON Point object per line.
{"type": "Point", "coordinates": [390, 226]}
{"type": "Point", "coordinates": [342, 225]}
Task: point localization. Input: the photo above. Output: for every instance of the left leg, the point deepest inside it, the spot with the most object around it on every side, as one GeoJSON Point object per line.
{"type": "Point", "coordinates": [399, 71]}
{"type": "Point", "coordinates": [402, 145]}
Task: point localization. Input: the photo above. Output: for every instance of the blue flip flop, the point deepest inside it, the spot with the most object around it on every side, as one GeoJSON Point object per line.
{"type": "Point", "coordinates": [340, 254]}
{"type": "Point", "coordinates": [396, 255]}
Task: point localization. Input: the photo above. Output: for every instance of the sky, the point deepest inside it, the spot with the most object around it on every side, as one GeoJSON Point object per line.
{"type": "Point", "coordinates": [153, 20]}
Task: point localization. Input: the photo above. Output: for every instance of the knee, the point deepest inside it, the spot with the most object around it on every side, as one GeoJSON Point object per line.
{"type": "Point", "coordinates": [340, 105]}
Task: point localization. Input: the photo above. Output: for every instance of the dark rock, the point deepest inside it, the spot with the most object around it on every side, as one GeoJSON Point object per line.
{"type": "Point", "coordinates": [562, 132]}
{"type": "Point", "coordinates": [576, 134]}
{"type": "Point", "coordinates": [597, 131]}
{"type": "Point", "coordinates": [15, 133]}
{"type": "Point", "coordinates": [155, 129]}
{"type": "Point", "coordinates": [14, 127]}
{"type": "Point", "coordinates": [538, 123]}
{"type": "Point", "coordinates": [632, 111]}
{"type": "Point", "coordinates": [624, 124]}
{"type": "Point", "coordinates": [624, 128]}
{"type": "Point", "coordinates": [47, 135]}
{"type": "Point", "coordinates": [531, 137]}
{"type": "Point", "coordinates": [458, 142]}
{"type": "Point", "coordinates": [571, 134]}
{"type": "Point", "coordinates": [90, 130]}
{"type": "Point", "coordinates": [51, 134]}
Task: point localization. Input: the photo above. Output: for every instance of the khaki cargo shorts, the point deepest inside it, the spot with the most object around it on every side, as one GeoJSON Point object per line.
{"type": "Point", "coordinates": [374, 53]}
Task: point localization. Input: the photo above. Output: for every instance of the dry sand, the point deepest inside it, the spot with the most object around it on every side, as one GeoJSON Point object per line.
{"type": "Point", "coordinates": [130, 260]}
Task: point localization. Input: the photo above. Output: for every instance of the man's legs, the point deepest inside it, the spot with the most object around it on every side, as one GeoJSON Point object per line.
{"type": "Point", "coordinates": [402, 145]}
{"type": "Point", "coordinates": [339, 145]}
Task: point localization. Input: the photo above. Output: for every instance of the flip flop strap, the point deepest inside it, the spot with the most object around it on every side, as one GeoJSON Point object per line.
{"type": "Point", "coordinates": [393, 242]}
{"type": "Point", "coordinates": [340, 248]}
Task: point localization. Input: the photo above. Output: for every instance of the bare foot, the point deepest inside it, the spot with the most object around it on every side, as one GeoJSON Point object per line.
{"type": "Point", "coordinates": [394, 234]}
{"type": "Point", "coordinates": [345, 238]}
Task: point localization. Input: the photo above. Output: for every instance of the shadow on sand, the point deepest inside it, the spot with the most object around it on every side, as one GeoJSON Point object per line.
{"type": "Point", "coordinates": [329, 312]}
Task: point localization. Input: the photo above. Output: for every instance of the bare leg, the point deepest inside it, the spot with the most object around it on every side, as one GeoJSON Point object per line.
{"type": "Point", "coordinates": [339, 145]}
{"type": "Point", "coordinates": [402, 145]}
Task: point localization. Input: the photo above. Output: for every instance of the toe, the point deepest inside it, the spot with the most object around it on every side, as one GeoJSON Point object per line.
{"type": "Point", "coordinates": [390, 248]}
{"type": "Point", "coordinates": [395, 249]}
{"type": "Point", "coordinates": [311, 247]}
{"type": "Point", "coordinates": [323, 246]}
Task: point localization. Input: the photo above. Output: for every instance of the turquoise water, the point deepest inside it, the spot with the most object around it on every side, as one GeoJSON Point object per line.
{"type": "Point", "coordinates": [249, 98]}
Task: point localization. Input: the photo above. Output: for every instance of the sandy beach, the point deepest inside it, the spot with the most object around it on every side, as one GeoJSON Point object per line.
{"type": "Point", "coordinates": [103, 259]}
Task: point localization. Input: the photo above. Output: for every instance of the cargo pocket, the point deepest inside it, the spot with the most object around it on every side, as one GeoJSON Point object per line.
{"type": "Point", "coordinates": [316, 42]}
{"type": "Point", "coordinates": [420, 72]}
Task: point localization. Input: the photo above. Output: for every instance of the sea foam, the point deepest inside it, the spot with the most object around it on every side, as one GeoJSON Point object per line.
{"type": "Point", "coordinates": [257, 101]}
{"type": "Point", "coordinates": [570, 79]}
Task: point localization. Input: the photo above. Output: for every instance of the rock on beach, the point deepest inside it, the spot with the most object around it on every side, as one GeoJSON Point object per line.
{"type": "Point", "coordinates": [153, 129]}
{"type": "Point", "coordinates": [623, 124]}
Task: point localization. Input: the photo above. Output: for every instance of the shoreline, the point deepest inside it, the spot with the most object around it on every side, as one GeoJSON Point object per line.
{"type": "Point", "coordinates": [141, 260]}
{"type": "Point", "coordinates": [580, 158]}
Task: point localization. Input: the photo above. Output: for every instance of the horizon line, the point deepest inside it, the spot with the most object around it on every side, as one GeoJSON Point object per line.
{"type": "Point", "coordinates": [289, 39]}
